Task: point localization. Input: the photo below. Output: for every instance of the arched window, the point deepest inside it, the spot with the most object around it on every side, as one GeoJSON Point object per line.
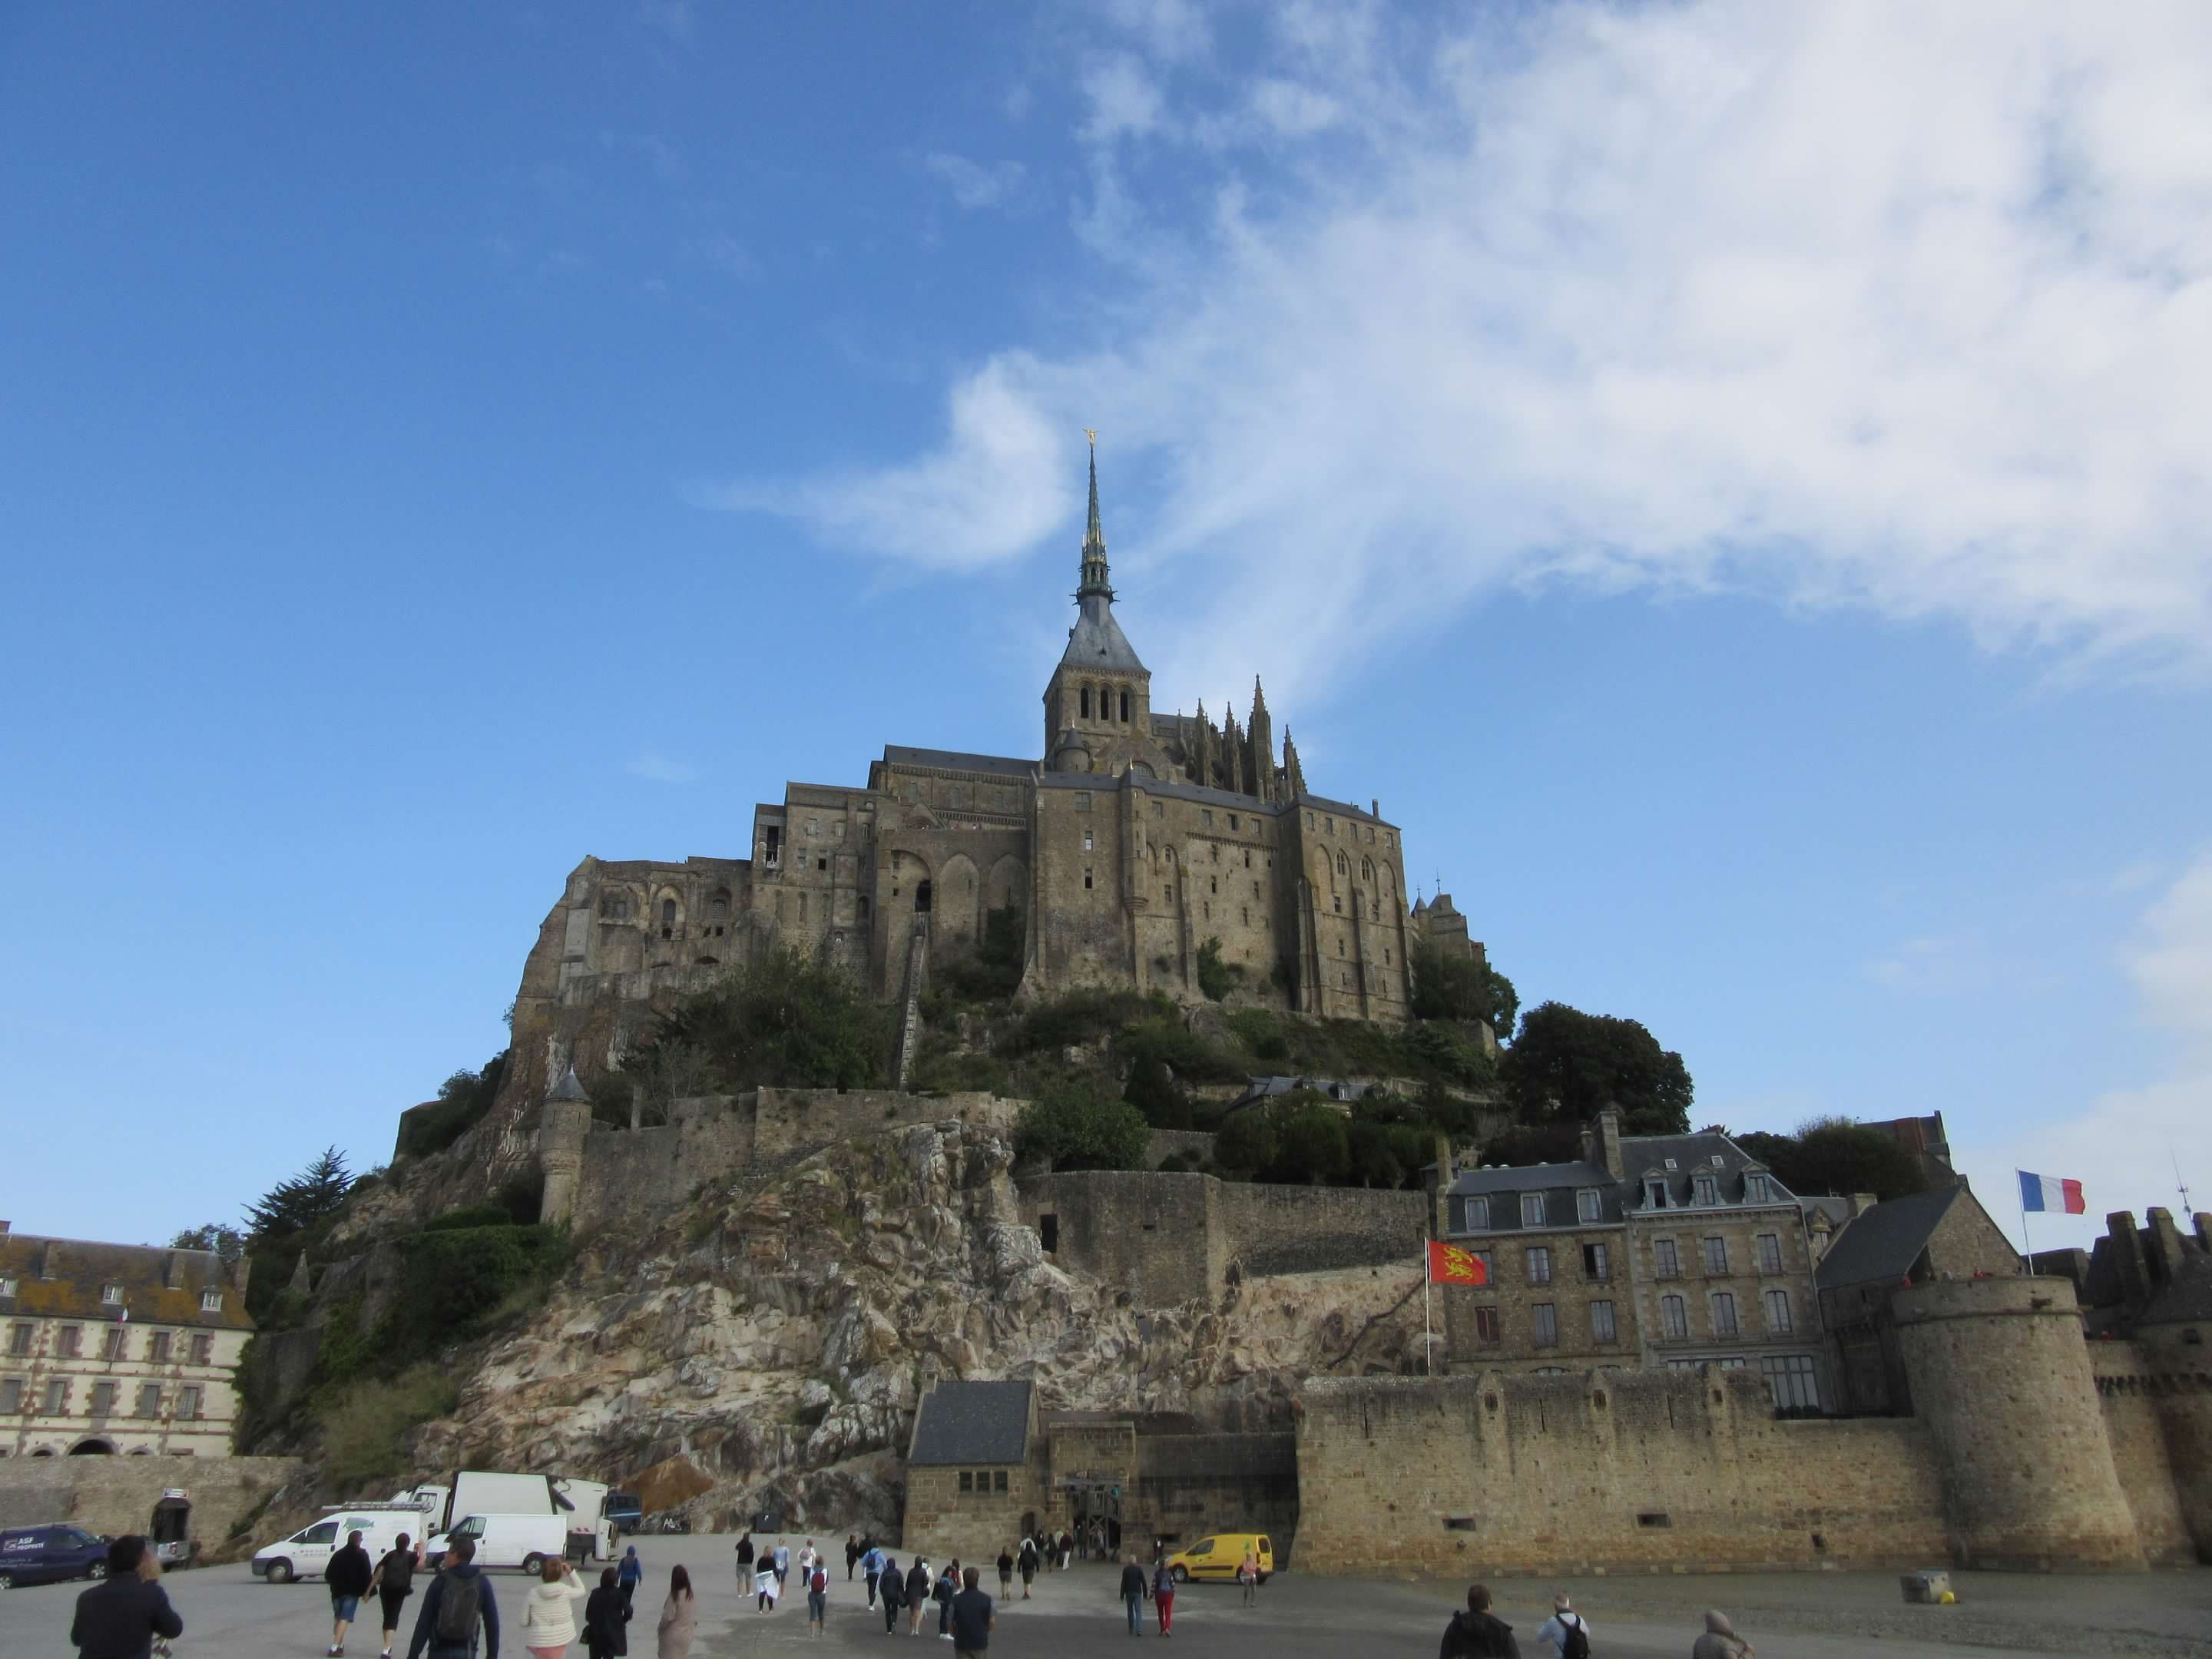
{"type": "Point", "coordinates": [1367, 871]}
{"type": "Point", "coordinates": [1125, 706]}
{"type": "Point", "coordinates": [668, 918]}
{"type": "Point", "coordinates": [922, 898]}
{"type": "Point", "coordinates": [1087, 702]}
{"type": "Point", "coordinates": [1343, 867]}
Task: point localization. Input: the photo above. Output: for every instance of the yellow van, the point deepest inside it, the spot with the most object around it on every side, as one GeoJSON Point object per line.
{"type": "Point", "coordinates": [1219, 1556]}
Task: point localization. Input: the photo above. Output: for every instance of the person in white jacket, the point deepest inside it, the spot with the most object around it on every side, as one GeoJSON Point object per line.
{"type": "Point", "coordinates": [549, 1613]}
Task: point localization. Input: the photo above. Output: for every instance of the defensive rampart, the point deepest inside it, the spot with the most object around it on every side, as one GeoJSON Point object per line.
{"type": "Point", "coordinates": [117, 1495]}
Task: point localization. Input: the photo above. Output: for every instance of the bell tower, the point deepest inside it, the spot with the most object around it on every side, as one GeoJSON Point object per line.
{"type": "Point", "coordinates": [1098, 706]}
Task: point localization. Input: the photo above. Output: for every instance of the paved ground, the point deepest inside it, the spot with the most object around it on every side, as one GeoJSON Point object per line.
{"type": "Point", "coordinates": [229, 1614]}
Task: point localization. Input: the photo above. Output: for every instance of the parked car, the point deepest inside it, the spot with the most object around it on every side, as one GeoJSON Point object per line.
{"type": "Point", "coordinates": [625, 1510]}
{"type": "Point", "coordinates": [1219, 1556]}
{"type": "Point", "coordinates": [43, 1554]}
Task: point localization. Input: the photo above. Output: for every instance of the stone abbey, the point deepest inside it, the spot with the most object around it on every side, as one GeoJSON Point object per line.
{"type": "Point", "coordinates": [1135, 840]}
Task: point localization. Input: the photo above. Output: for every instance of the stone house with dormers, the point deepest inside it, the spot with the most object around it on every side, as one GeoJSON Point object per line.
{"type": "Point", "coordinates": [118, 1349]}
{"type": "Point", "coordinates": [1649, 1251]}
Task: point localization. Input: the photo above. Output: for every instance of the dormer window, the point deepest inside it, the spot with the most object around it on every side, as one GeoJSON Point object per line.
{"type": "Point", "coordinates": [1755, 1190]}
{"type": "Point", "coordinates": [1654, 1194]}
{"type": "Point", "coordinates": [111, 1296]}
{"type": "Point", "coordinates": [1532, 1209]}
{"type": "Point", "coordinates": [1671, 1164]}
{"type": "Point", "coordinates": [1705, 1189]}
{"type": "Point", "coordinates": [210, 1301]}
{"type": "Point", "coordinates": [1588, 1206]}
{"type": "Point", "coordinates": [1477, 1214]}
{"type": "Point", "coordinates": [6, 1287]}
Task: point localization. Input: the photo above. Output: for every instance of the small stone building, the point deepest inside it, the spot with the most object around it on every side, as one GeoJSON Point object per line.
{"type": "Point", "coordinates": [975, 1476]}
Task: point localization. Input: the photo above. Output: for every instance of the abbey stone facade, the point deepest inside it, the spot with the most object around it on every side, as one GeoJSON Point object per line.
{"type": "Point", "coordinates": [1134, 839]}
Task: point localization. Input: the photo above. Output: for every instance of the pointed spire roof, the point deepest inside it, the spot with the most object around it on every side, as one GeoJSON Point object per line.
{"type": "Point", "coordinates": [567, 1088]}
{"type": "Point", "coordinates": [1096, 640]}
{"type": "Point", "coordinates": [1258, 697]}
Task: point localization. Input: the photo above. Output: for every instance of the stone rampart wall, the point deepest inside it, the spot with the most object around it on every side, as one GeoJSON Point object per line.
{"type": "Point", "coordinates": [1292, 1230]}
{"type": "Point", "coordinates": [1613, 1470]}
{"type": "Point", "coordinates": [117, 1495]}
{"type": "Point", "coordinates": [2130, 1391]}
{"type": "Point", "coordinates": [1191, 1485]}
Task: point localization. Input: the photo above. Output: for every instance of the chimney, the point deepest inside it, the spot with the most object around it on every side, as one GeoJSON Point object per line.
{"type": "Point", "coordinates": [241, 1271]}
{"type": "Point", "coordinates": [1608, 1129]}
{"type": "Point", "coordinates": [2165, 1246]}
{"type": "Point", "coordinates": [49, 1258]}
{"type": "Point", "coordinates": [1588, 1142]}
{"type": "Point", "coordinates": [1861, 1203]}
{"type": "Point", "coordinates": [2128, 1257]}
{"type": "Point", "coordinates": [1375, 805]}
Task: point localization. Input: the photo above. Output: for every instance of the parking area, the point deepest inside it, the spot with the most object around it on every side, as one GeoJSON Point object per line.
{"type": "Point", "coordinates": [228, 1613]}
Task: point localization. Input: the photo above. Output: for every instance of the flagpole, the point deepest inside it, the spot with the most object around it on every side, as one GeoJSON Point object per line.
{"type": "Point", "coordinates": [2026, 1254]}
{"type": "Point", "coordinates": [1428, 1347]}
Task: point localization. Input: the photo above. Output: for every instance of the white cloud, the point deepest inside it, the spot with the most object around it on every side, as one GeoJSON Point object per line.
{"type": "Point", "coordinates": [972, 184]}
{"type": "Point", "coordinates": [661, 769]}
{"type": "Point", "coordinates": [1866, 307]}
{"type": "Point", "coordinates": [2172, 962]}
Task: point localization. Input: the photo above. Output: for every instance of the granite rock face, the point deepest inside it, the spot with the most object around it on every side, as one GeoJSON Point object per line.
{"type": "Point", "coordinates": [763, 1352]}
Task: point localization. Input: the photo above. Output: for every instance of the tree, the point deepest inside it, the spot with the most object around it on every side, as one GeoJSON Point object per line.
{"type": "Point", "coordinates": [1566, 1066]}
{"type": "Point", "coordinates": [1835, 1155]}
{"type": "Point", "coordinates": [302, 1203]}
{"type": "Point", "coordinates": [1076, 1125]}
{"type": "Point", "coordinates": [227, 1243]}
{"type": "Point", "coordinates": [1217, 978]}
{"type": "Point", "coordinates": [785, 1021]}
{"type": "Point", "coordinates": [1452, 987]}
{"type": "Point", "coordinates": [1296, 1138]}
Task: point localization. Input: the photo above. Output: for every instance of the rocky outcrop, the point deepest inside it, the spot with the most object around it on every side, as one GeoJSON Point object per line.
{"type": "Point", "coordinates": [764, 1349]}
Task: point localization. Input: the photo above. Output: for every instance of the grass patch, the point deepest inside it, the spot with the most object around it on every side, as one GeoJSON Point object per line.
{"type": "Point", "coordinates": [362, 1426]}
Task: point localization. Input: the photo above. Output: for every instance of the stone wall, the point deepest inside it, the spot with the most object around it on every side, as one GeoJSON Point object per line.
{"type": "Point", "coordinates": [117, 1495]}
{"type": "Point", "coordinates": [1652, 1471]}
{"type": "Point", "coordinates": [941, 1520]}
{"type": "Point", "coordinates": [1294, 1229]}
{"type": "Point", "coordinates": [1191, 1485]}
{"type": "Point", "coordinates": [2130, 1391]}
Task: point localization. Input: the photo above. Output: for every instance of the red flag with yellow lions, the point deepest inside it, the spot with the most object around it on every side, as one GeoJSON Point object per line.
{"type": "Point", "coordinates": [1451, 1264]}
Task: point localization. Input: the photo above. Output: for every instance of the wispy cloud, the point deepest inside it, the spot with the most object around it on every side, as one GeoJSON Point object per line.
{"type": "Point", "coordinates": [659, 768]}
{"type": "Point", "coordinates": [2171, 963]}
{"type": "Point", "coordinates": [1868, 307]}
{"type": "Point", "coordinates": [975, 184]}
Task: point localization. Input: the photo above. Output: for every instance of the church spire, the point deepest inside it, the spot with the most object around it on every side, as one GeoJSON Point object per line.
{"type": "Point", "coordinates": [1094, 540]}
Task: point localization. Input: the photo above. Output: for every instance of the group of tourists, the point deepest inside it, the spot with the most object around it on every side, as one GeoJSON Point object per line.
{"type": "Point", "coordinates": [765, 1569]}
{"type": "Point", "coordinates": [1478, 1633]}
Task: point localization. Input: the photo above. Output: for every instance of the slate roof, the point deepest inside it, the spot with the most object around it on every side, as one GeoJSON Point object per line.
{"type": "Point", "coordinates": [1884, 1242]}
{"type": "Point", "coordinates": [1096, 640]}
{"type": "Point", "coordinates": [964, 1423]}
{"type": "Point", "coordinates": [1643, 1157]}
{"type": "Point", "coordinates": [83, 1267]}
{"type": "Point", "coordinates": [953, 760]}
{"type": "Point", "coordinates": [1344, 809]}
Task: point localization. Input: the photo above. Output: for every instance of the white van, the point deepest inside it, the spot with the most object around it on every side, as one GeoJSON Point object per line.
{"type": "Point", "coordinates": [528, 1541]}
{"type": "Point", "coordinates": [309, 1551]}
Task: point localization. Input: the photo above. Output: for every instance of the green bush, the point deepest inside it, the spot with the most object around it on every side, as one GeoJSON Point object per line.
{"type": "Point", "coordinates": [1261, 1032]}
{"type": "Point", "coordinates": [786, 1021]}
{"type": "Point", "coordinates": [1081, 1017]}
{"type": "Point", "coordinates": [1296, 1138]}
{"type": "Point", "coordinates": [1217, 978]}
{"type": "Point", "coordinates": [463, 1098]}
{"type": "Point", "coordinates": [363, 1425]}
{"type": "Point", "coordinates": [949, 1073]}
{"type": "Point", "coordinates": [1079, 1127]}
{"type": "Point", "coordinates": [486, 1214]}
{"type": "Point", "coordinates": [993, 971]}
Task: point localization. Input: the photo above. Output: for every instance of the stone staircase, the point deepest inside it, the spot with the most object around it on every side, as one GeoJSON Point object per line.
{"type": "Point", "coordinates": [917, 973]}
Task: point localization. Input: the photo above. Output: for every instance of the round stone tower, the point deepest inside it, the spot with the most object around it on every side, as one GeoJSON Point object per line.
{"type": "Point", "coordinates": [564, 1121]}
{"type": "Point", "coordinates": [2000, 1375]}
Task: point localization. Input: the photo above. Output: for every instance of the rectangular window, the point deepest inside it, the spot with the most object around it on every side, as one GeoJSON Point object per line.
{"type": "Point", "coordinates": [66, 1341]}
{"type": "Point", "coordinates": [1778, 1311]}
{"type": "Point", "coordinates": [1086, 841]}
{"type": "Point", "coordinates": [188, 1402]}
{"type": "Point", "coordinates": [110, 1344]}
{"type": "Point", "coordinates": [1717, 1257]}
{"type": "Point", "coordinates": [1602, 1328]}
{"type": "Point", "coordinates": [1597, 1262]}
{"type": "Point", "coordinates": [1489, 1275]}
{"type": "Point", "coordinates": [1770, 1253]}
{"type": "Point", "coordinates": [1205, 817]}
{"type": "Point", "coordinates": [1704, 1189]}
{"type": "Point", "coordinates": [1232, 821]}
{"type": "Point", "coordinates": [157, 1348]}
{"type": "Point", "coordinates": [1540, 1265]}
{"type": "Point", "coordinates": [997, 1480]}
{"type": "Point", "coordinates": [966, 1481]}
{"type": "Point", "coordinates": [7, 1285]}
{"type": "Point", "coordinates": [1328, 825]}
{"type": "Point", "coordinates": [1723, 1314]}
{"type": "Point", "coordinates": [1666, 1261]}
{"type": "Point", "coordinates": [1083, 800]}
{"type": "Point", "coordinates": [202, 1349]}
{"type": "Point", "coordinates": [57, 1397]}
{"type": "Point", "coordinates": [11, 1395]}
{"type": "Point", "coordinates": [19, 1339]}
{"type": "Point", "coordinates": [1158, 810]}
{"type": "Point", "coordinates": [149, 1400]}
{"type": "Point", "coordinates": [1485, 1326]}
{"type": "Point", "coordinates": [1755, 1190]}
{"type": "Point", "coordinates": [1086, 881]}
{"type": "Point", "coordinates": [111, 1296]}
{"type": "Point", "coordinates": [1588, 1205]}
{"type": "Point", "coordinates": [1544, 1320]}
{"type": "Point", "coordinates": [1532, 1209]}
{"type": "Point", "coordinates": [103, 1399]}
{"type": "Point", "coordinates": [1654, 1194]}
{"type": "Point", "coordinates": [210, 1301]}
{"type": "Point", "coordinates": [1673, 1316]}
{"type": "Point", "coordinates": [1789, 1377]}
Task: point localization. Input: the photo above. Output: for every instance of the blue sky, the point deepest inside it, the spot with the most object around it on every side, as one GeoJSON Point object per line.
{"type": "Point", "coordinates": [1731, 481]}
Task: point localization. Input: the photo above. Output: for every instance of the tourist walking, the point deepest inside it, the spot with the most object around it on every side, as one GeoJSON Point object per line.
{"type": "Point", "coordinates": [947, 1587]}
{"type": "Point", "coordinates": [1005, 1571]}
{"type": "Point", "coordinates": [889, 1583]}
{"type": "Point", "coordinates": [628, 1576]}
{"type": "Point", "coordinates": [783, 1562]}
{"type": "Point", "coordinates": [1066, 1549]}
{"type": "Point", "coordinates": [392, 1583]}
{"type": "Point", "coordinates": [806, 1562]}
{"type": "Point", "coordinates": [766, 1585]}
{"type": "Point", "coordinates": [458, 1600]}
{"type": "Point", "coordinates": [917, 1593]}
{"type": "Point", "coordinates": [347, 1574]}
{"type": "Point", "coordinates": [872, 1568]}
{"type": "Point", "coordinates": [853, 1553]}
{"type": "Point", "coordinates": [1478, 1633]}
{"type": "Point", "coordinates": [679, 1617]}
{"type": "Point", "coordinates": [1567, 1632]}
{"type": "Point", "coordinates": [1029, 1564]}
{"type": "Point", "coordinates": [746, 1559]}
{"type": "Point", "coordinates": [1164, 1592]}
{"type": "Point", "coordinates": [817, 1597]}
{"type": "Point", "coordinates": [548, 1612]}
{"type": "Point", "coordinates": [1247, 1576]}
{"type": "Point", "coordinates": [606, 1617]}
{"type": "Point", "coordinates": [1720, 1640]}
{"type": "Point", "coordinates": [126, 1612]}
{"type": "Point", "coordinates": [1133, 1592]}
{"type": "Point", "coordinates": [972, 1619]}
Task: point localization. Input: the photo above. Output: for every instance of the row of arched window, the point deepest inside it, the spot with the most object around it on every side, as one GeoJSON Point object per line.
{"type": "Point", "coordinates": [1103, 698]}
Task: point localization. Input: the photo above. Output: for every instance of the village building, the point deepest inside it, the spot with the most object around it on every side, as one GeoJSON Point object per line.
{"type": "Point", "coordinates": [118, 1349]}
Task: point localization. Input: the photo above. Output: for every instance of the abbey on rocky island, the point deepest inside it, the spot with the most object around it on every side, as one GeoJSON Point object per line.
{"type": "Point", "coordinates": [1136, 841]}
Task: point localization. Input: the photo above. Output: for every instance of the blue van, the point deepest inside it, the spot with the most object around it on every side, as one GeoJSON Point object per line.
{"type": "Point", "coordinates": [38, 1555]}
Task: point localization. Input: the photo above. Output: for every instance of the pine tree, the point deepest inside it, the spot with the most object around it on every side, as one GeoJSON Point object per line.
{"type": "Point", "coordinates": [305, 1201]}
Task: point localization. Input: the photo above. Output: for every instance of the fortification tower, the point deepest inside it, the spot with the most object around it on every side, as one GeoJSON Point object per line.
{"type": "Point", "coordinates": [564, 1121]}
{"type": "Point", "coordinates": [2173, 1334]}
{"type": "Point", "coordinates": [2001, 1376]}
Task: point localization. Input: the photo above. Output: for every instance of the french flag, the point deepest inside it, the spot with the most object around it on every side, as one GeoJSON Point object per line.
{"type": "Point", "coordinates": [2049, 1193]}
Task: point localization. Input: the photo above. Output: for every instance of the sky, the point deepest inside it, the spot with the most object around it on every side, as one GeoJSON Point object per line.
{"type": "Point", "coordinates": [1730, 480]}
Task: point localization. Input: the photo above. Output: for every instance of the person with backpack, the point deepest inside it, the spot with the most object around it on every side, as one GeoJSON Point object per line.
{"type": "Point", "coordinates": [459, 1599]}
{"type": "Point", "coordinates": [888, 1582]}
{"type": "Point", "coordinates": [1164, 1592]}
{"type": "Point", "coordinates": [872, 1568]}
{"type": "Point", "coordinates": [1720, 1640]}
{"type": "Point", "coordinates": [1478, 1633]}
{"type": "Point", "coordinates": [1134, 1589]}
{"type": "Point", "coordinates": [1029, 1564]}
{"type": "Point", "coordinates": [745, 1556]}
{"type": "Point", "coordinates": [126, 1612]}
{"type": "Point", "coordinates": [947, 1587]}
{"type": "Point", "coordinates": [817, 1597]}
{"type": "Point", "coordinates": [1567, 1631]}
{"type": "Point", "coordinates": [629, 1576]}
{"type": "Point", "coordinates": [606, 1616]}
{"type": "Point", "coordinates": [347, 1573]}
{"type": "Point", "coordinates": [1006, 1574]}
{"type": "Point", "coordinates": [392, 1583]}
